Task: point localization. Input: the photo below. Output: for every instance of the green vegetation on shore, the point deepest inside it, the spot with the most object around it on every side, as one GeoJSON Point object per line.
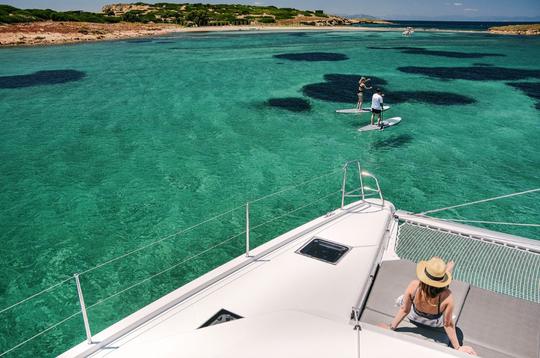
{"type": "Point", "coordinates": [184, 14]}
{"type": "Point", "coordinates": [12, 15]}
{"type": "Point", "coordinates": [204, 14]}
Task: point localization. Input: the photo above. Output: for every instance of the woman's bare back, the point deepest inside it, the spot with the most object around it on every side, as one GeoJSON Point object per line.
{"type": "Point", "coordinates": [428, 304]}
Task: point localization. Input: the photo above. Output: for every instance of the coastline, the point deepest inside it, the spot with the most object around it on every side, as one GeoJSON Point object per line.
{"type": "Point", "coordinates": [525, 30]}
{"type": "Point", "coordinates": [59, 33]}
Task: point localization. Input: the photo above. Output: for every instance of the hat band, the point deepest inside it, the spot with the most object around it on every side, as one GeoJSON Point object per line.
{"type": "Point", "coordinates": [434, 278]}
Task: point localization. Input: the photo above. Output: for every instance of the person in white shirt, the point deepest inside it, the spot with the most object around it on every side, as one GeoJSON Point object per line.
{"type": "Point", "coordinates": [377, 106]}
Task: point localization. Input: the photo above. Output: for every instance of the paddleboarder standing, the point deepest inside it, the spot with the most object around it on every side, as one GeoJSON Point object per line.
{"type": "Point", "coordinates": [377, 106]}
{"type": "Point", "coordinates": [362, 87]}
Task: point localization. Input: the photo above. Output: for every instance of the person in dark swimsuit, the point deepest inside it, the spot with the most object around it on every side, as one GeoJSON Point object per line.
{"type": "Point", "coordinates": [428, 301]}
{"type": "Point", "coordinates": [362, 87]}
{"type": "Point", "coordinates": [427, 318]}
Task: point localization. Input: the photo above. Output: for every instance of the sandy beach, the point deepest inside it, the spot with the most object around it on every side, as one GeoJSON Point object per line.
{"type": "Point", "coordinates": [55, 33]}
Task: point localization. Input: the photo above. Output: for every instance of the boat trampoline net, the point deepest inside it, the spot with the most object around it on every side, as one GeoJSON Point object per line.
{"type": "Point", "coordinates": [480, 261]}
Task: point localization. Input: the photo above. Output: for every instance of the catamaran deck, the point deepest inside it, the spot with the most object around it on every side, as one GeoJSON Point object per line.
{"type": "Point", "coordinates": [290, 303]}
{"type": "Point", "coordinates": [286, 299]}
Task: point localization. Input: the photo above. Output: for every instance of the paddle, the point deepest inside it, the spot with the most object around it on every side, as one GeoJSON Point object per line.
{"type": "Point", "coordinates": [382, 111]}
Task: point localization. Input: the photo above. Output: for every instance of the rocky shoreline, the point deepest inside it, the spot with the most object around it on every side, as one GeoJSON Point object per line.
{"type": "Point", "coordinates": [55, 33]}
{"type": "Point", "coordinates": [58, 33]}
{"type": "Point", "coordinates": [527, 30]}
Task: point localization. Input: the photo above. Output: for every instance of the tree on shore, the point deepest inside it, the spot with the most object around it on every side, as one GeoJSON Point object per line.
{"type": "Point", "coordinates": [198, 17]}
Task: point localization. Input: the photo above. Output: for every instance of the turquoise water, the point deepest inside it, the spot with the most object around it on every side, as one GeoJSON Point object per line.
{"type": "Point", "coordinates": [132, 141]}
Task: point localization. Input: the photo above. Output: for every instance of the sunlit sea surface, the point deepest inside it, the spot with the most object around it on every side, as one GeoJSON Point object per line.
{"type": "Point", "coordinates": [107, 147]}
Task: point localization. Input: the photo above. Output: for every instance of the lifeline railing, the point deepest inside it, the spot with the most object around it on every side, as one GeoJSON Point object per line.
{"type": "Point", "coordinates": [83, 308]}
{"type": "Point", "coordinates": [483, 259]}
{"type": "Point", "coordinates": [487, 259]}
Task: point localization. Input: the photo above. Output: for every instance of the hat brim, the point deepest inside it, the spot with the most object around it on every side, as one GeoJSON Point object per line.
{"type": "Point", "coordinates": [421, 274]}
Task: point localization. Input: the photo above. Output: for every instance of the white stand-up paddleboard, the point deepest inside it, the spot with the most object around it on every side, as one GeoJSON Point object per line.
{"type": "Point", "coordinates": [356, 110]}
{"type": "Point", "coordinates": [353, 110]}
{"type": "Point", "coordinates": [386, 123]}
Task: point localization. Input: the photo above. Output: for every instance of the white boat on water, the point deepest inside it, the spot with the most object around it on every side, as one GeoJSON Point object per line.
{"type": "Point", "coordinates": [408, 31]}
{"type": "Point", "coordinates": [320, 290]}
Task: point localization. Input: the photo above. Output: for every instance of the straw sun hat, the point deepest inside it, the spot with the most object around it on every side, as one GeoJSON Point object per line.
{"type": "Point", "coordinates": [433, 272]}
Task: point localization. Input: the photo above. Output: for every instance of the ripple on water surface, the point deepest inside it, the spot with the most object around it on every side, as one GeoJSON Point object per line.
{"type": "Point", "coordinates": [440, 53]}
{"type": "Point", "coordinates": [292, 104]}
{"type": "Point", "coordinates": [473, 73]}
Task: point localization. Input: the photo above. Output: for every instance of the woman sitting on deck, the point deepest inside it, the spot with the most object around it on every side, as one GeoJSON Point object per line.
{"type": "Point", "coordinates": [431, 300]}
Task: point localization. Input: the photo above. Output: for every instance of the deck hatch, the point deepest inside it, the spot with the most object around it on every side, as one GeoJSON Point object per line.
{"type": "Point", "coordinates": [222, 316]}
{"type": "Point", "coordinates": [324, 250]}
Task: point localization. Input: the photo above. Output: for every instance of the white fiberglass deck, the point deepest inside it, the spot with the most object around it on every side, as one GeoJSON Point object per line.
{"type": "Point", "coordinates": [290, 302]}
{"type": "Point", "coordinates": [279, 334]}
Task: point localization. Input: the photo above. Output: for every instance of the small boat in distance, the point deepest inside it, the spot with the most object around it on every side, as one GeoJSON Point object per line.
{"type": "Point", "coordinates": [408, 31]}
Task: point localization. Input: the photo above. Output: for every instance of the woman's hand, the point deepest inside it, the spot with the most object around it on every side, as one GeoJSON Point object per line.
{"type": "Point", "coordinates": [468, 350]}
{"type": "Point", "coordinates": [450, 266]}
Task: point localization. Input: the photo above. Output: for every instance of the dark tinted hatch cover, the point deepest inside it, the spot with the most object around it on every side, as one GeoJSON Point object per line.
{"type": "Point", "coordinates": [222, 316]}
{"type": "Point", "coordinates": [324, 250]}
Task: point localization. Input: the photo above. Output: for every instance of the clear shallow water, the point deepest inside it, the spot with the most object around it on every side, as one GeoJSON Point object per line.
{"type": "Point", "coordinates": [133, 141]}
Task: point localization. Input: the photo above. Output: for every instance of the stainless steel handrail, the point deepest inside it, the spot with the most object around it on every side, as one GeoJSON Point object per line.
{"type": "Point", "coordinates": [363, 190]}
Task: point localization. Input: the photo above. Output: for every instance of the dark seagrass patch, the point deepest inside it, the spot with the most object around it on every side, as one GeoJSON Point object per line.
{"type": "Point", "coordinates": [339, 88]}
{"type": "Point", "coordinates": [312, 56]}
{"type": "Point", "coordinates": [292, 104]}
{"type": "Point", "coordinates": [395, 141]}
{"type": "Point", "coordinates": [41, 78]}
{"type": "Point", "coordinates": [473, 73]}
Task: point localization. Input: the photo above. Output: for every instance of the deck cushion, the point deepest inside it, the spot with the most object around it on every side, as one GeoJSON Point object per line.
{"type": "Point", "coordinates": [433, 334]}
{"type": "Point", "coordinates": [392, 280]}
{"type": "Point", "coordinates": [501, 323]}
{"type": "Point", "coordinates": [486, 352]}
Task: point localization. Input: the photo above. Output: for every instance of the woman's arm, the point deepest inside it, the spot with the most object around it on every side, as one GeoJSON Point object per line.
{"type": "Point", "coordinates": [405, 307]}
{"type": "Point", "coordinates": [450, 266]}
{"type": "Point", "coordinates": [450, 328]}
